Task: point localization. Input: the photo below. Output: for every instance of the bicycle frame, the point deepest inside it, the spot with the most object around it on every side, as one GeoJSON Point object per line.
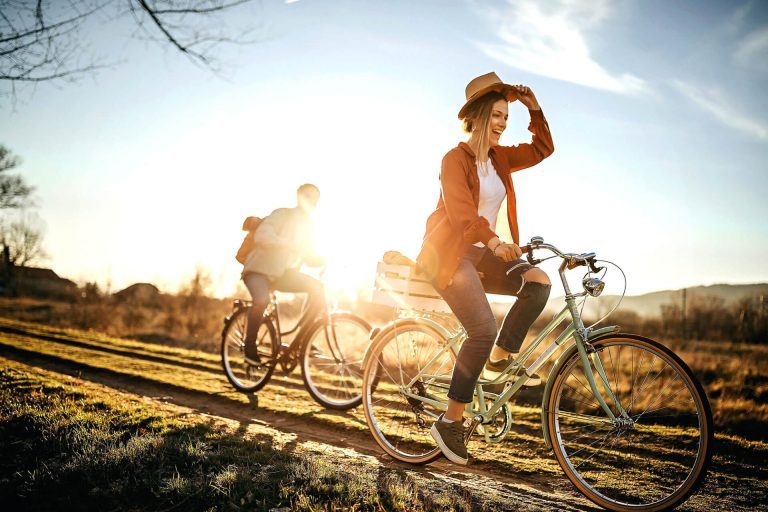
{"type": "Point", "coordinates": [575, 334]}
{"type": "Point", "coordinates": [652, 455]}
{"type": "Point", "coordinates": [288, 353]}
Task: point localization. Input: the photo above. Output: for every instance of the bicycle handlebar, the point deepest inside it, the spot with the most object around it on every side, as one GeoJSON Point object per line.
{"type": "Point", "coordinates": [571, 260]}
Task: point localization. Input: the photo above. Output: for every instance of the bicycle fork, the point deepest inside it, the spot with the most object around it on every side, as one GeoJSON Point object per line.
{"type": "Point", "coordinates": [590, 358]}
{"type": "Point", "coordinates": [332, 340]}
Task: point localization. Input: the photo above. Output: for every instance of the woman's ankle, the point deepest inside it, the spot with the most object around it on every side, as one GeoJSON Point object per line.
{"type": "Point", "coordinates": [498, 353]}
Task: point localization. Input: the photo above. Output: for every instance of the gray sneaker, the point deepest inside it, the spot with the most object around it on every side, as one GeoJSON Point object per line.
{"type": "Point", "coordinates": [493, 370]}
{"type": "Point", "coordinates": [450, 439]}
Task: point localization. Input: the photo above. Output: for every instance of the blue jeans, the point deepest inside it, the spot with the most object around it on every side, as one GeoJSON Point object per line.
{"type": "Point", "coordinates": [481, 272]}
{"type": "Point", "coordinates": [292, 280]}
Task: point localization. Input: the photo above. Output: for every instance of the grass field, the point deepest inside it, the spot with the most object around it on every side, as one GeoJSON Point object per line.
{"type": "Point", "coordinates": [68, 445]}
{"type": "Point", "coordinates": [39, 410]}
{"type": "Point", "coordinates": [735, 376]}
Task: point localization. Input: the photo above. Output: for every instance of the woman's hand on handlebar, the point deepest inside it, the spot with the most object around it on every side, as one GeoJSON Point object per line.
{"type": "Point", "coordinates": [508, 252]}
{"type": "Point", "coordinates": [505, 251]}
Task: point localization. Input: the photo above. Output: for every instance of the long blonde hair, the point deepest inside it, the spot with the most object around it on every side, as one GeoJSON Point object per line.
{"type": "Point", "coordinates": [478, 120]}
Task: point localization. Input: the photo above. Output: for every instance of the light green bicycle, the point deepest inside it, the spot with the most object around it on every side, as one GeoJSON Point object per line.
{"type": "Point", "coordinates": [627, 420]}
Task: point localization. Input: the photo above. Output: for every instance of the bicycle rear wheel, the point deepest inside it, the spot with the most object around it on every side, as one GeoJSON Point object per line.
{"type": "Point", "coordinates": [332, 360]}
{"type": "Point", "coordinates": [654, 459]}
{"type": "Point", "coordinates": [243, 376]}
{"type": "Point", "coordinates": [400, 424]}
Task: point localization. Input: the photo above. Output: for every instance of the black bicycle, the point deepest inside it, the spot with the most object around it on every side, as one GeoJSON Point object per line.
{"type": "Point", "coordinates": [330, 347]}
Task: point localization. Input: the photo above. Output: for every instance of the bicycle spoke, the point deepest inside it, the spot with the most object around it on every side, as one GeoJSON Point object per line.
{"type": "Point", "coordinates": [603, 439]}
{"type": "Point", "coordinates": [331, 361]}
{"type": "Point", "coordinates": [585, 417]}
{"type": "Point", "coordinates": [399, 422]}
{"type": "Point", "coordinates": [244, 376]}
{"type": "Point", "coordinates": [642, 384]}
{"type": "Point", "coordinates": [585, 386]}
{"type": "Point", "coordinates": [659, 394]}
{"type": "Point", "coordinates": [585, 434]}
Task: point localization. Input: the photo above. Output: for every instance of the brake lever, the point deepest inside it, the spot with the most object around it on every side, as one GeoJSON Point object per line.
{"type": "Point", "coordinates": [527, 249]}
{"type": "Point", "coordinates": [595, 269]}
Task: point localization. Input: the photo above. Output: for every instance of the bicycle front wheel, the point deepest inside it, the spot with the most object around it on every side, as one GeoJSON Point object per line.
{"type": "Point", "coordinates": [243, 376]}
{"type": "Point", "coordinates": [405, 385]}
{"type": "Point", "coordinates": [653, 458]}
{"type": "Point", "coordinates": [332, 360]}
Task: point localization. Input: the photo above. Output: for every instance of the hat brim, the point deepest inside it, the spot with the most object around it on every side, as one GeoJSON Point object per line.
{"type": "Point", "coordinates": [506, 90]}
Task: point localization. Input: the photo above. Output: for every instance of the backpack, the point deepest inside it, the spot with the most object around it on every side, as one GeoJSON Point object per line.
{"type": "Point", "coordinates": [250, 224]}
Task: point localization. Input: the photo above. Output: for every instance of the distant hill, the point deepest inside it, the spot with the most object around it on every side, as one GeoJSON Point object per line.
{"type": "Point", "coordinates": [649, 304]}
{"type": "Point", "coordinates": [141, 293]}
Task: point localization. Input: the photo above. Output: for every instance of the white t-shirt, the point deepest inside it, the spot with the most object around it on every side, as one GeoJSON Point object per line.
{"type": "Point", "coordinates": [492, 194]}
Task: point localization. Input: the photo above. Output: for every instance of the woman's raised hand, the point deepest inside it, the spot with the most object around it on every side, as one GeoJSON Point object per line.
{"type": "Point", "coordinates": [526, 97]}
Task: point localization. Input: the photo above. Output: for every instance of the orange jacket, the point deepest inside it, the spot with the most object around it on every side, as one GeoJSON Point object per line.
{"type": "Point", "coordinates": [455, 223]}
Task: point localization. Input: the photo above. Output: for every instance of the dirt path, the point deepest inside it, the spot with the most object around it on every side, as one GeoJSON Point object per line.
{"type": "Point", "coordinates": [530, 493]}
{"type": "Point", "coordinates": [515, 480]}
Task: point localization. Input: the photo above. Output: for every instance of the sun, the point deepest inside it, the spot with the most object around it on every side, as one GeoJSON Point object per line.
{"type": "Point", "coordinates": [348, 269]}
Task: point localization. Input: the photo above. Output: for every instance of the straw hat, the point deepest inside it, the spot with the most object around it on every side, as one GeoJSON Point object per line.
{"type": "Point", "coordinates": [484, 84]}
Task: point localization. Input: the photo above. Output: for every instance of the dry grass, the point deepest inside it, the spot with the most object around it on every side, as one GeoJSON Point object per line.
{"type": "Point", "coordinates": [523, 452]}
{"type": "Point", "coordinates": [71, 445]}
{"type": "Point", "coordinates": [170, 320]}
{"type": "Point", "coordinates": [735, 377]}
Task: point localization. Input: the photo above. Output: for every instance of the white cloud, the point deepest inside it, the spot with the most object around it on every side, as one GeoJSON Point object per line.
{"type": "Point", "coordinates": [717, 104]}
{"type": "Point", "coordinates": [752, 51]}
{"type": "Point", "coordinates": [548, 39]}
{"type": "Point", "coordinates": [735, 22]}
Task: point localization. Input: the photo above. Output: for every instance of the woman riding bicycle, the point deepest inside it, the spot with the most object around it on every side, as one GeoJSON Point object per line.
{"type": "Point", "coordinates": [466, 259]}
{"type": "Point", "coordinates": [281, 243]}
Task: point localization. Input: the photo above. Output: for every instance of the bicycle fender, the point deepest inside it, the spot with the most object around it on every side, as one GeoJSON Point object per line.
{"type": "Point", "coordinates": [400, 323]}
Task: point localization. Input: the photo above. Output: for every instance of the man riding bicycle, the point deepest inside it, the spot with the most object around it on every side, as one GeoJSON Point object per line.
{"type": "Point", "coordinates": [282, 242]}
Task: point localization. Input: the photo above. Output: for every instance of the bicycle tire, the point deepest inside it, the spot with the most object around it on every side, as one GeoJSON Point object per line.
{"type": "Point", "coordinates": [245, 377]}
{"type": "Point", "coordinates": [396, 424]}
{"type": "Point", "coordinates": [658, 460]}
{"type": "Point", "coordinates": [335, 384]}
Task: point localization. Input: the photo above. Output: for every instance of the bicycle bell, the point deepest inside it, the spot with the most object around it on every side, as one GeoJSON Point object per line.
{"type": "Point", "coordinates": [593, 285]}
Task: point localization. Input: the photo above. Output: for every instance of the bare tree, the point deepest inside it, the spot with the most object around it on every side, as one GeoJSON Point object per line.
{"type": "Point", "coordinates": [39, 40]}
{"type": "Point", "coordinates": [42, 40]}
{"type": "Point", "coordinates": [189, 26]}
{"type": "Point", "coordinates": [194, 301]}
{"type": "Point", "coordinates": [14, 192]}
{"type": "Point", "coordinates": [23, 236]}
{"type": "Point", "coordinates": [197, 288]}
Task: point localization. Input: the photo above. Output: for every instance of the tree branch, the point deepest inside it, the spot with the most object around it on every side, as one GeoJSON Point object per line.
{"type": "Point", "coordinates": [190, 10]}
{"type": "Point", "coordinates": [41, 29]}
{"type": "Point", "coordinates": [156, 19]}
{"type": "Point", "coordinates": [40, 40]}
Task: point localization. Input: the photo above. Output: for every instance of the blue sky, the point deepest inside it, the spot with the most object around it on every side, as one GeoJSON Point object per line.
{"type": "Point", "coordinates": [658, 111]}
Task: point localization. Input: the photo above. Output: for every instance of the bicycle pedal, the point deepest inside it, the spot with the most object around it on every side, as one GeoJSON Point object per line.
{"type": "Point", "coordinates": [471, 428]}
